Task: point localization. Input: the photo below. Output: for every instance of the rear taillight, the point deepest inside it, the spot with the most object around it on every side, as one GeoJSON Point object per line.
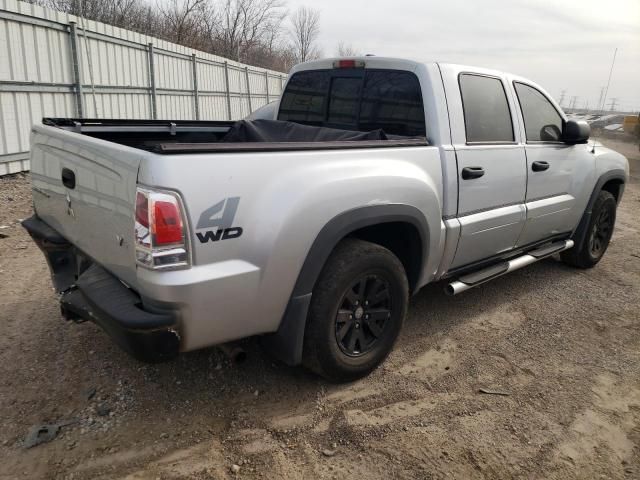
{"type": "Point", "coordinates": [160, 233]}
{"type": "Point", "coordinates": [167, 223]}
{"type": "Point", "coordinates": [142, 209]}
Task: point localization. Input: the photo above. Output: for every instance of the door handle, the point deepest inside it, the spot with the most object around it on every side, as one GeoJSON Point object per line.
{"type": "Point", "coordinates": [469, 173]}
{"type": "Point", "coordinates": [68, 178]}
{"type": "Point", "coordinates": [539, 166]}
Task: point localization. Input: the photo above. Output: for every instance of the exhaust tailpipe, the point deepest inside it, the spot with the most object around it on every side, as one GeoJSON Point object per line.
{"type": "Point", "coordinates": [233, 352]}
{"type": "Point", "coordinates": [455, 288]}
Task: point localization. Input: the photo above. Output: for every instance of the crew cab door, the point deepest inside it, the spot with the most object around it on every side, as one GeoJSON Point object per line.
{"type": "Point", "coordinates": [551, 167]}
{"type": "Point", "coordinates": [491, 164]}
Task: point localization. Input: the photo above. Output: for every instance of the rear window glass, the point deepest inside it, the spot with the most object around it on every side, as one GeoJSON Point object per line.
{"type": "Point", "coordinates": [392, 101]}
{"type": "Point", "coordinates": [486, 111]}
{"type": "Point", "coordinates": [344, 100]}
{"type": "Point", "coordinates": [304, 98]}
{"type": "Point", "coordinates": [362, 100]}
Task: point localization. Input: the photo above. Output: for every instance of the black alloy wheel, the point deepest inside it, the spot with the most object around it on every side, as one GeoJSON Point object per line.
{"type": "Point", "coordinates": [601, 233]}
{"type": "Point", "coordinates": [364, 313]}
{"type": "Point", "coordinates": [357, 309]}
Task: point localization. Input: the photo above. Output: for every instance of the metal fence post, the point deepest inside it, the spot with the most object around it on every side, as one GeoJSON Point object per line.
{"type": "Point", "coordinates": [196, 100]}
{"type": "Point", "coordinates": [266, 84]}
{"type": "Point", "coordinates": [152, 82]}
{"type": "Point", "coordinates": [246, 74]}
{"type": "Point", "coordinates": [226, 82]}
{"type": "Point", "coordinates": [77, 78]}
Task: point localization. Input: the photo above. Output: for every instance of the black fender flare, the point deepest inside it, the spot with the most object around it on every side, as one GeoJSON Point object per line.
{"type": "Point", "coordinates": [286, 344]}
{"type": "Point", "coordinates": [579, 234]}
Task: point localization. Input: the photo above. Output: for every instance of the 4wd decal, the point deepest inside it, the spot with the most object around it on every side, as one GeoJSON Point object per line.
{"type": "Point", "coordinates": [219, 217]}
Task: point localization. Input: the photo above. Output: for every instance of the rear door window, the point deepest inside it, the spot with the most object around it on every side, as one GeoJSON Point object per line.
{"type": "Point", "coordinates": [487, 118]}
{"type": "Point", "coordinates": [356, 99]}
{"type": "Point", "coordinates": [542, 122]}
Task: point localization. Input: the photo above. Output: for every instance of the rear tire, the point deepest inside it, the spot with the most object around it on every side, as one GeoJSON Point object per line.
{"type": "Point", "coordinates": [356, 313]}
{"type": "Point", "coordinates": [594, 240]}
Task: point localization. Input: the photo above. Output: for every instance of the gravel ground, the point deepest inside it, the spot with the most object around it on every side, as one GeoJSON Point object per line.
{"type": "Point", "coordinates": [564, 345]}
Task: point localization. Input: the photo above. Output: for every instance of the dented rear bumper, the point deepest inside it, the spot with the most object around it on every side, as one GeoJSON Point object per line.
{"type": "Point", "coordinates": [91, 293]}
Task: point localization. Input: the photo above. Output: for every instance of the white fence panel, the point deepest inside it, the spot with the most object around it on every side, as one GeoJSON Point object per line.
{"type": "Point", "coordinates": [173, 73]}
{"type": "Point", "coordinates": [177, 107]}
{"type": "Point", "coordinates": [57, 65]}
{"type": "Point", "coordinates": [117, 105]}
{"type": "Point", "coordinates": [214, 107]}
{"type": "Point", "coordinates": [211, 77]}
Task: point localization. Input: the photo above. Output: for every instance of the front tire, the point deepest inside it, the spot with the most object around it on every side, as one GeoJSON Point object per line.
{"type": "Point", "coordinates": [592, 245]}
{"type": "Point", "coordinates": [357, 310]}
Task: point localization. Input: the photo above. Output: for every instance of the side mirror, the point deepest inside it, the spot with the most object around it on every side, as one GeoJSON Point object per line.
{"type": "Point", "coordinates": [575, 131]}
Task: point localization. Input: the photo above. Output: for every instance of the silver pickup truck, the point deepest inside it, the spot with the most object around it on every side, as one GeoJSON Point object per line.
{"type": "Point", "coordinates": [311, 228]}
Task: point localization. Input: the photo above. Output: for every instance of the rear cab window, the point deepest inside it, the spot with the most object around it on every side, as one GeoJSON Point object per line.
{"type": "Point", "coordinates": [305, 98]}
{"type": "Point", "coordinates": [344, 99]}
{"type": "Point", "coordinates": [356, 99]}
{"type": "Point", "coordinates": [487, 118]}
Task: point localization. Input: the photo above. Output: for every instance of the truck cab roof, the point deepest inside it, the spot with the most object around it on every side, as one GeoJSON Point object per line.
{"type": "Point", "coordinates": [391, 63]}
{"type": "Point", "coordinates": [370, 61]}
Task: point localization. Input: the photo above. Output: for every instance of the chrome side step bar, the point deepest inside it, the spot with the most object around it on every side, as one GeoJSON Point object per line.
{"type": "Point", "coordinates": [494, 271]}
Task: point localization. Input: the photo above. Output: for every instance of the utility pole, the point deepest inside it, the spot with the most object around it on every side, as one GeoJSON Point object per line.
{"type": "Point", "coordinates": [562, 95]}
{"type": "Point", "coordinates": [614, 103]}
{"type": "Point", "coordinates": [572, 104]}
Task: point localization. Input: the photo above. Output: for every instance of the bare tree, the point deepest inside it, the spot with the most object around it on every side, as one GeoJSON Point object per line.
{"type": "Point", "coordinates": [251, 31]}
{"type": "Point", "coordinates": [247, 23]}
{"type": "Point", "coordinates": [122, 12]}
{"type": "Point", "coordinates": [183, 19]}
{"type": "Point", "coordinates": [347, 50]}
{"type": "Point", "coordinates": [305, 24]}
{"type": "Point", "coordinates": [211, 23]}
{"type": "Point", "coordinates": [147, 21]}
{"type": "Point", "coordinates": [114, 12]}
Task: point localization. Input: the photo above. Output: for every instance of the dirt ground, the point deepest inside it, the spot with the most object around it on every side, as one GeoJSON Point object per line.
{"type": "Point", "coordinates": [564, 345]}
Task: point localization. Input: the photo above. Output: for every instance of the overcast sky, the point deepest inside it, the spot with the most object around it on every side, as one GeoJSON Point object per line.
{"type": "Point", "coordinates": [560, 44]}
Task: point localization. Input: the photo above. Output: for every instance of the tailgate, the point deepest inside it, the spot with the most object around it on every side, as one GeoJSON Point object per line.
{"type": "Point", "coordinates": [97, 213]}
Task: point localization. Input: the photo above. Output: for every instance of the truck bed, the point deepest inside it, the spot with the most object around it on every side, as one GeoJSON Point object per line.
{"type": "Point", "coordinates": [185, 136]}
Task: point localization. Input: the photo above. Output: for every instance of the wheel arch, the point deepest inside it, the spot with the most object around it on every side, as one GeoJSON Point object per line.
{"type": "Point", "coordinates": [374, 223]}
{"type": "Point", "coordinates": [613, 182]}
{"type": "Point", "coordinates": [615, 186]}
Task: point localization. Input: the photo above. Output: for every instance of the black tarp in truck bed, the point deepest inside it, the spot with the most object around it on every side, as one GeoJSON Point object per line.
{"type": "Point", "coordinates": [167, 137]}
{"type": "Point", "coordinates": [279, 131]}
